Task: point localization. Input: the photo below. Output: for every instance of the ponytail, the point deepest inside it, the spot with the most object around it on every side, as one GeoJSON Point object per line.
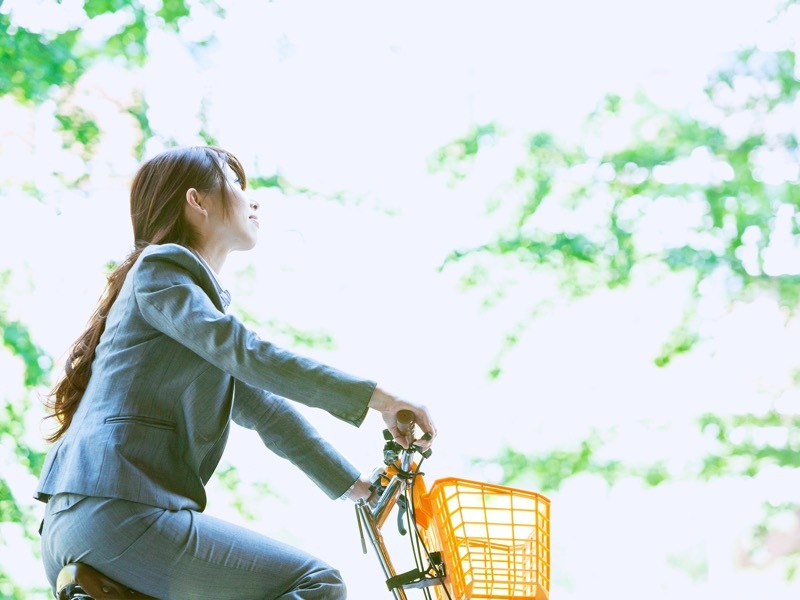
{"type": "Point", "coordinates": [66, 395]}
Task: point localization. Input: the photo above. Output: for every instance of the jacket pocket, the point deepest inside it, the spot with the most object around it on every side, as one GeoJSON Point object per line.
{"type": "Point", "coordinates": [138, 420]}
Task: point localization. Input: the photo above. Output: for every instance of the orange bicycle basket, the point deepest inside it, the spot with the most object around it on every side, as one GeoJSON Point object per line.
{"type": "Point", "coordinates": [494, 540]}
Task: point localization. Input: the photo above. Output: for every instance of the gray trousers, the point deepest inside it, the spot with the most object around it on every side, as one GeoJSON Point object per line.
{"type": "Point", "coordinates": [179, 554]}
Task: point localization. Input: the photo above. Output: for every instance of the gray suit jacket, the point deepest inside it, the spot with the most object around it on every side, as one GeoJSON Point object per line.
{"type": "Point", "coordinates": [170, 372]}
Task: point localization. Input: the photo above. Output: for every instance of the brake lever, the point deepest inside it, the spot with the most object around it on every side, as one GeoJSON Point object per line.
{"type": "Point", "coordinates": [402, 508]}
{"type": "Point", "coordinates": [425, 453]}
{"type": "Point", "coordinates": [392, 449]}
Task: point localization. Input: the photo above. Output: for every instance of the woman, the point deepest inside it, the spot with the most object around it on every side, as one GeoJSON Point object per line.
{"type": "Point", "coordinates": [150, 388]}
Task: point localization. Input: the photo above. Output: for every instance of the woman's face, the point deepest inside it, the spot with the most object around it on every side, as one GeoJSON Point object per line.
{"type": "Point", "coordinates": [237, 227]}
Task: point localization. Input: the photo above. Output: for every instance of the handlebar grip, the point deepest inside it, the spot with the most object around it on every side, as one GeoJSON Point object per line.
{"type": "Point", "coordinates": [405, 422]}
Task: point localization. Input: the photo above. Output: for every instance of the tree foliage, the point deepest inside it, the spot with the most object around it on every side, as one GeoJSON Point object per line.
{"type": "Point", "coordinates": [45, 65]}
{"type": "Point", "coordinates": [38, 63]}
{"type": "Point", "coordinates": [14, 428]}
{"type": "Point", "coordinates": [605, 200]}
{"type": "Point", "coordinates": [711, 193]}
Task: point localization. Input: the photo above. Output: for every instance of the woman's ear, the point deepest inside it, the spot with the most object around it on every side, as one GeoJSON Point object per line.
{"type": "Point", "coordinates": [194, 203]}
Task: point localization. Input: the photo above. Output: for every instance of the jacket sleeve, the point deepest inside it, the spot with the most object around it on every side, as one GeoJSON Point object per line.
{"type": "Point", "coordinates": [289, 434]}
{"type": "Point", "coordinates": [172, 301]}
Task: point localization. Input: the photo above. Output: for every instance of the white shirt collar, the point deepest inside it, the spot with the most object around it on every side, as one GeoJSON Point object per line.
{"type": "Point", "coordinates": [223, 292]}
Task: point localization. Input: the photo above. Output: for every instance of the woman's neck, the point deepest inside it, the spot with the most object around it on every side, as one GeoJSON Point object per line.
{"type": "Point", "coordinates": [213, 259]}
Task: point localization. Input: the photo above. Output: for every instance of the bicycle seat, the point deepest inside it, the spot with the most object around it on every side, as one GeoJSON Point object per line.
{"type": "Point", "coordinates": [77, 581]}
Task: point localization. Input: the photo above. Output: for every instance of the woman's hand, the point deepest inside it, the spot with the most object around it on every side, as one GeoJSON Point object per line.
{"type": "Point", "coordinates": [389, 405]}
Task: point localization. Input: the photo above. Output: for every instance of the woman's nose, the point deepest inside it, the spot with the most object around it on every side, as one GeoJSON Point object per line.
{"type": "Point", "coordinates": [254, 204]}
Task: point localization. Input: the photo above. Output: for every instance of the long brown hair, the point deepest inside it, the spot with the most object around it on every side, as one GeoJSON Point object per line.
{"type": "Point", "coordinates": [157, 200]}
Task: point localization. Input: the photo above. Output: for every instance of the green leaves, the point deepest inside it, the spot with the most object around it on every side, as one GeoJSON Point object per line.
{"type": "Point", "coordinates": [743, 444]}
{"type": "Point", "coordinates": [95, 8]}
{"type": "Point", "coordinates": [36, 66]}
{"type": "Point", "coordinates": [130, 43]}
{"type": "Point", "coordinates": [31, 64]}
{"type": "Point", "coordinates": [15, 445]}
{"type": "Point", "coordinates": [547, 471]}
{"type": "Point", "coordinates": [138, 110]}
{"type": "Point", "coordinates": [778, 68]}
{"type": "Point", "coordinates": [456, 157]}
{"type": "Point", "coordinates": [748, 442]}
{"type": "Point", "coordinates": [591, 212]}
{"type": "Point", "coordinates": [288, 188]}
{"type": "Point", "coordinates": [79, 129]}
{"type": "Point", "coordinates": [17, 338]}
{"type": "Point", "coordinates": [172, 11]}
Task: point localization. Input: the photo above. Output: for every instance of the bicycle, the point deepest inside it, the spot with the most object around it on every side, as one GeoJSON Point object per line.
{"type": "Point", "coordinates": [470, 540]}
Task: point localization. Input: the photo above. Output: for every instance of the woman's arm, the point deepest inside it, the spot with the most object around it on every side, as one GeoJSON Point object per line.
{"type": "Point", "coordinates": [289, 434]}
{"type": "Point", "coordinates": [172, 301]}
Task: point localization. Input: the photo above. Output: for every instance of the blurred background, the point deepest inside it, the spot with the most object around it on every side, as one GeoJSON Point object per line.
{"type": "Point", "coordinates": [569, 228]}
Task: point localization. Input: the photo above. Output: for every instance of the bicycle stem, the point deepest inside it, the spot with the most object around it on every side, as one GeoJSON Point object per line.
{"type": "Point", "coordinates": [375, 518]}
{"type": "Point", "coordinates": [392, 492]}
{"type": "Point", "coordinates": [387, 502]}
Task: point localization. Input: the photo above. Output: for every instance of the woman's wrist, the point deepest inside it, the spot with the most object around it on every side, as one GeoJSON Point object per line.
{"type": "Point", "coordinates": [360, 490]}
{"type": "Point", "coordinates": [349, 491]}
{"type": "Point", "coordinates": [379, 400]}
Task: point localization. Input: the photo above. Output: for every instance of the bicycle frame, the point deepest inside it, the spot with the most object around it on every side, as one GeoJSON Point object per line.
{"type": "Point", "coordinates": [373, 518]}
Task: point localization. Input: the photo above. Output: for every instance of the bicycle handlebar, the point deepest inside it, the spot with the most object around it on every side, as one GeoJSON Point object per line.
{"type": "Point", "coordinates": [405, 427]}
{"type": "Point", "coordinates": [405, 422]}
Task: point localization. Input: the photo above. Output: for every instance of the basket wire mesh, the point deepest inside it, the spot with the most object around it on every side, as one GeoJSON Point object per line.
{"type": "Point", "coordinates": [495, 540]}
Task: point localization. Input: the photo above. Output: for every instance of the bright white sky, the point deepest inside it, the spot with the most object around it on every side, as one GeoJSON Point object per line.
{"type": "Point", "coordinates": [356, 96]}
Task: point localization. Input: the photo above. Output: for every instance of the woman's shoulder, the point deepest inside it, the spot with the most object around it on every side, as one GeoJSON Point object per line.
{"type": "Point", "coordinates": [170, 266]}
{"type": "Point", "coordinates": [170, 256]}
{"type": "Point", "coordinates": [164, 262]}
{"type": "Point", "coordinates": [168, 250]}
{"type": "Point", "coordinates": [171, 253]}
